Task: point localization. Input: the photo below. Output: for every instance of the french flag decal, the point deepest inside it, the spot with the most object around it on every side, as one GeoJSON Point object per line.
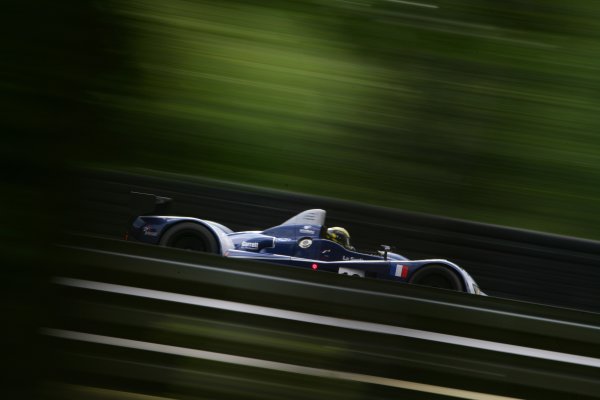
{"type": "Point", "coordinates": [401, 271]}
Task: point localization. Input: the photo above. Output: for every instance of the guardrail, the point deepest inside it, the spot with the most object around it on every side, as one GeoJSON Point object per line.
{"type": "Point", "coordinates": [133, 320]}
{"type": "Point", "coordinates": [506, 262]}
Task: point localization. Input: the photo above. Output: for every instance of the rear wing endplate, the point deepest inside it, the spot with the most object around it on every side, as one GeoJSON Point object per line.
{"type": "Point", "coordinates": [149, 204]}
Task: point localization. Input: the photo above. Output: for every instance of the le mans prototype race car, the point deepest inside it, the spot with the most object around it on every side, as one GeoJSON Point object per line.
{"type": "Point", "coordinates": [301, 241]}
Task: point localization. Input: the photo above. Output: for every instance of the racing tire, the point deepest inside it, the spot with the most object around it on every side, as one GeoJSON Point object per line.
{"type": "Point", "coordinates": [437, 276]}
{"type": "Point", "coordinates": [190, 236]}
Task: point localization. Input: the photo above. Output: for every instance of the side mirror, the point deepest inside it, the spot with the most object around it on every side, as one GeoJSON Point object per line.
{"type": "Point", "coordinates": [385, 248]}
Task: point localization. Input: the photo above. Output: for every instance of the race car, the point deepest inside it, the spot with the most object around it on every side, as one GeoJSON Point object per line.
{"type": "Point", "coordinates": [303, 241]}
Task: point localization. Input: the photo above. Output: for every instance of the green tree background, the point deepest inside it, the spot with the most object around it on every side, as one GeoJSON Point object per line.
{"type": "Point", "coordinates": [484, 110]}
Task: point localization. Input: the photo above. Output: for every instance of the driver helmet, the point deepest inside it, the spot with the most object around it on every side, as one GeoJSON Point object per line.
{"type": "Point", "coordinates": [339, 235]}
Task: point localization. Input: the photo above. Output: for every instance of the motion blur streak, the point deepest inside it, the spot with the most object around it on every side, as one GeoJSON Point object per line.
{"type": "Point", "coordinates": [277, 366]}
{"type": "Point", "coordinates": [335, 322]}
{"type": "Point", "coordinates": [72, 391]}
{"type": "Point", "coordinates": [478, 110]}
{"type": "Point", "coordinates": [207, 267]}
{"type": "Point", "coordinates": [412, 3]}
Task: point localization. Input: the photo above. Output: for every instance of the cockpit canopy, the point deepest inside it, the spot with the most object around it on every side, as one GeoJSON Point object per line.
{"type": "Point", "coordinates": [310, 224]}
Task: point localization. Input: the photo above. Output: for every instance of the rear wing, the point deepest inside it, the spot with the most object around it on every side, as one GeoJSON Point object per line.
{"type": "Point", "coordinates": [149, 204]}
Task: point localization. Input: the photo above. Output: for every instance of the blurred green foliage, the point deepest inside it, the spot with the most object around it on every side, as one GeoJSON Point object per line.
{"type": "Point", "coordinates": [484, 110]}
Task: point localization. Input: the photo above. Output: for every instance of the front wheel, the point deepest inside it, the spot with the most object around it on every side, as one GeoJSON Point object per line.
{"type": "Point", "coordinates": [190, 236]}
{"type": "Point", "coordinates": [437, 276]}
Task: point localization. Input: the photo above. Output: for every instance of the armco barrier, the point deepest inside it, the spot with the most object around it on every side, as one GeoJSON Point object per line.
{"type": "Point", "coordinates": [506, 262]}
{"type": "Point", "coordinates": [135, 321]}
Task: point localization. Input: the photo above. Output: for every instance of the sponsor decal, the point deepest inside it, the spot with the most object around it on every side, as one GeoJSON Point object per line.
{"type": "Point", "coordinates": [307, 229]}
{"type": "Point", "coordinates": [250, 245]}
{"type": "Point", "coordinates": [346, 258]}
{"type": "Point", "coordinates": [148, 231]}
{"type": "Point", "coordinates": [351, 272]}
{"type": "Point", "coordinates": [305, 243]}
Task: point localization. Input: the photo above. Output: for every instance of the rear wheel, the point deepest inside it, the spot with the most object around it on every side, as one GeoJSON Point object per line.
{"type": "Point", "coordinates": [437, 276]}
{"type": "Point", "coordinates": [190, 236]}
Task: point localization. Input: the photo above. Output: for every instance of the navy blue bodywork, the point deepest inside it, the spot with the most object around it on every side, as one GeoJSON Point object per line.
{"type": "Point", "coordinates": [298, 242]}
